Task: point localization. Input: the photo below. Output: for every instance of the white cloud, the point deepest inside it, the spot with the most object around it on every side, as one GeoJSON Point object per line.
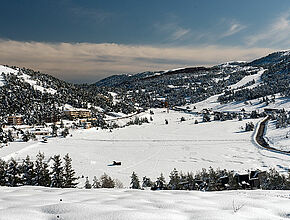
{"type": "Point", "coordinates": [276, 34]}
{"type": "Point", "coordinates": [87, 62]}
{"type": "Point", "coordinates": [234, 28]}
{"type": "Point", "coordinates": [179, 33]}
{"type": "Point", "coordinates": [173, 31]}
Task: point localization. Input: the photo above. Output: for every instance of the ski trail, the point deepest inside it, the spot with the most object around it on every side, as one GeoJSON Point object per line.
{"type": "Point", "coordinates": [14, 154]}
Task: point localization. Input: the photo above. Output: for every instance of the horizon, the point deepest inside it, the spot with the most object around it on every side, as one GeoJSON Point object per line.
{"type": "Point", "coordinates": [84, 42]}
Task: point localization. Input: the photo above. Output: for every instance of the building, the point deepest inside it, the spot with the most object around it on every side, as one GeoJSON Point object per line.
{"type": "Point", "coordinates": [15, 120]}
{"type": "Point", "coordinates": [77, 113]}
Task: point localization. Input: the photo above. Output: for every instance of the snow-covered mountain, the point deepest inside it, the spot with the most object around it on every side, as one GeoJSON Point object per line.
{"type": "Point", "coordinates": [232, 82]}
{"type": "Point", "coordinates": [195, 143]}
{"type": "Point", "coordinates": [38, 96]}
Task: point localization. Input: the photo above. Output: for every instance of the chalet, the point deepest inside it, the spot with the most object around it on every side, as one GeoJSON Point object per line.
{"type": "Point", "coordinates": [15, 120]}
{"type": "Point", "coordinates": [77, 113]}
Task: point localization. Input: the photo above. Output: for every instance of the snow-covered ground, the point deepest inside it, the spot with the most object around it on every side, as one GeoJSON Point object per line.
{"type": "Point", "coordinates": [254, 104]}
{"type": "Point", "coordinates": [278, 138]}
{"type": "Point", "coordinates": [256, 77]}
{"type": "Point", "coordinates": [153, 148]}
{"type": "Point", "coordinates": [25, 77]}
{"type": "Point", "coordinates": [5, 70]}
{"type": "Point", "coordinates": [38, 203]}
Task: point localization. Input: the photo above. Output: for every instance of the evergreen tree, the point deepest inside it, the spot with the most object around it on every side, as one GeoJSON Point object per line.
{"type": "Point", "coordinates": [206, 117]}
{"type": "Point", "coordinates": [160, 182]}
{"type": "Point", "coordinates": [146, 182]}
{"type": "Point", "coordinates": [65, 132]}
{"type": "Point", "coordinates": [68, 173]}
{"type": "Point", "coordinates": [96, 183]}
{"type": "Point", "coordinates": [87, 184]}
{"type": "Point", "coordinates": [3, 168]}
{"type": "Point", "coordinates": [174, 180]}
{"type": "Point", "coordinates": [13, 173]}
{"type": "Point", "coordinates": [57, 179]}
{"type": "Point", "coordinates": [213, 179]}
{"type": "Point", "coordinates": [135, 183]}
{"type": "Point", "coordinates": [9, 136]}
{"type": "Point", "coordinates": [107, 182]}
{"type": "Point", "coordinates": [54, 130]}
{"type": "Point", "coordinates": [275, 181]}
{"type": "Point", "coordinates": [27, 171]}
{"type": "Point", "coordinates": [42, 177]}
{"type": "Point", "coordinates": [26, 136]}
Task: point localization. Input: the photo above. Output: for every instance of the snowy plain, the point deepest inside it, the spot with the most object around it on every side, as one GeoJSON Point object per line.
{"type": "Point", "coordinates": [153, 148]}
{"type": "Point", "coordinates": [278, 138]}
{"type": "Point", "coordinates": [38, 203]}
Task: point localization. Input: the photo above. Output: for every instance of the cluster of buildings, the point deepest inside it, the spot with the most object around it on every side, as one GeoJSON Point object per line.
{"type": "Point", "coordinates": [71, 113]}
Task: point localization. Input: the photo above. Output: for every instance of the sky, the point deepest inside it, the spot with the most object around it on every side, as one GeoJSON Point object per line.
{"type": "Point", "coordinates": [85, 41]}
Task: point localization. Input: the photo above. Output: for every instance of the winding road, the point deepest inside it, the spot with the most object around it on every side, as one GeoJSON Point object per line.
{"type": "Point", "coordinates": [261, 140]}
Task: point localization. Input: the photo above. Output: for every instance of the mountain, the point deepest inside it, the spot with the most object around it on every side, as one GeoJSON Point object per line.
{"type": "Point", "coordinates": [40, 97]}
{"type": "Point", "coordinates": [270, 76]}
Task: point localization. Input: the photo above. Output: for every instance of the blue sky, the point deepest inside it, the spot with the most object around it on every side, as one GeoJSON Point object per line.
{"type": "Point", "coordinates": [84, 41]}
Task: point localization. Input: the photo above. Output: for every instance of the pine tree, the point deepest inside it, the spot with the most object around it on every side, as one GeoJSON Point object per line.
{"type": "Point", "coordinates": [9, 136]}
{"type": "Point", "coordinates": [27, 171]}
{"type": "Point", "coordinates": [135, 183]}
{"type": "Point", "coordinates": [146, 182]}
{"type": "Point", "coordinates": [96, 183]}
{"type": "Point", "coordinates": [42, 177]}
{"type": "Point", "coordinates": [3, 168]}
{"type": "Point", "coordinates": [57, 179]}
{"type": "Point", "coordinates": [68, 173]}
{"type": "Point", "coordinates": [160, 182]}
{"type": "Point", "coordinates": [25, 137]}
{"type": "Point", "coordinates": [174, 180]}
{"type": "Point", "coordinates": [87, 184]}
{"type": "Point", "coordinates": [213, 179]}
{"type": "Point", "coordinates": [54, 130]}
{"type": "Point", "coordinates": [107, 182]}
{"type": "Point", "coordinates": [13, 173]}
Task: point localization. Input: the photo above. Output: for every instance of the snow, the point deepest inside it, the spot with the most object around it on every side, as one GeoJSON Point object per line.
{"type": "Point", "coordinates": [254, 104]}
{"type": "Point", "coordinates": [246, 79]}
{"type": "Point", "coordinates": [277, 138]}
{"type": "Point", "coordinates": [33, 83]}
{"type": "Point", "coordinates": [114, 95]}
{"type": "Point", "coordinates": [5, 70]}
{"type": "Point", "coordinates": [38, 203]}
{"type": "Point", "coordinates": [153, 148]}
{"type": "Point", "coordinates": [25, 77]}
{"type": "Point", "coordinates": [176, 69]}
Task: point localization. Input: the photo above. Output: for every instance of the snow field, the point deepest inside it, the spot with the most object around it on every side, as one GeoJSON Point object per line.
{"type": "Point", "coordinates": [39, 203]}
{"type": "Point", "coordinates": [277, 138]}
{"type": "Point", "coordinates": [153, 148]}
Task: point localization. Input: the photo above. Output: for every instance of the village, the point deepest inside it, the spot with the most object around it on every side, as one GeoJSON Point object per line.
{"type": "Point", "coordinates": [16, 130]}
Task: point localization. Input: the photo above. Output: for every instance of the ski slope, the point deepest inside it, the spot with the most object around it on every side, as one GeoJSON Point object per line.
{"type": "Point", "coordinates": [153, 148]}
{"type": "Point", "coordinates": [38, 203]}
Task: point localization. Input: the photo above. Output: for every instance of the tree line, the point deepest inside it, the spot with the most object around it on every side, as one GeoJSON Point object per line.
{"type": "Point", "coordinates": [38, 173]}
